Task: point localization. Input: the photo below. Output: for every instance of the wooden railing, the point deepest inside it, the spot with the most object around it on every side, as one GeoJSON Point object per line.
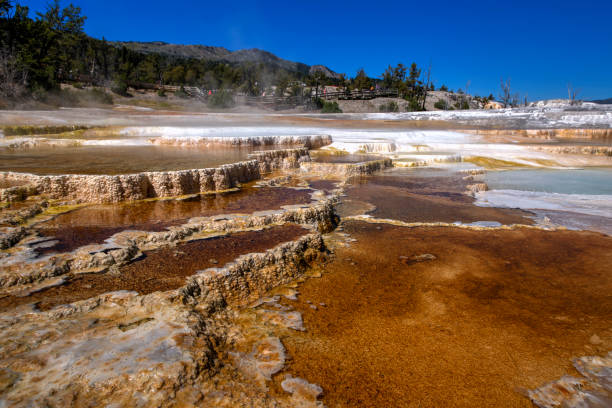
{"type": "Point", "coordinates": [357, 94]}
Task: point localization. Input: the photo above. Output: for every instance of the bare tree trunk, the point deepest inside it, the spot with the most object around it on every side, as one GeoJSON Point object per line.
{"type": "Point", "coordinates": [427, 84]}
{"type": "Point", "coordinates": [92, 71]}
{"type": "Point", "coordinates": [506, 95]}
{"type": "Point", "coordinates": [12, 78]}
{"type": "Point", "coordinates": [572, 93]}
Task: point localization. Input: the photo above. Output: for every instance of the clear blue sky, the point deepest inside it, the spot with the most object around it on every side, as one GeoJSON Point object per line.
{"type": "Point", "coordinates": [540, 45]}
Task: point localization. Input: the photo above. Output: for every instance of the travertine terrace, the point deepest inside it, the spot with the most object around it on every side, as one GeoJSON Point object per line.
{"type": "Point", "coordinates": [132, 187]}
{"type": "Point", "coordinates": [355, 260]}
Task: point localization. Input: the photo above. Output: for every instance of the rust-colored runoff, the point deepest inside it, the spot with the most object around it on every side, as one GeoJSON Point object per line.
{"type": "Point", "coordinates": [488, 315]}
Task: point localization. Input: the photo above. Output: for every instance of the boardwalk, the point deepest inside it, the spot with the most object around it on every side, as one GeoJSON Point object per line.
{"type": "Point", "coordinates": [362, 94]}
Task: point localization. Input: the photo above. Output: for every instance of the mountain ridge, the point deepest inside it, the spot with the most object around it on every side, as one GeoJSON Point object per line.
{"type": "Point", "coordinates": [213, 53]}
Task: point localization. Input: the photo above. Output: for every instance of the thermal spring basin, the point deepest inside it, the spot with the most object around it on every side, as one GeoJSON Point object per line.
{"type": "Point", "coordinates": [96, 223]}
{"type": "Point", "coordinates": [118, 159]}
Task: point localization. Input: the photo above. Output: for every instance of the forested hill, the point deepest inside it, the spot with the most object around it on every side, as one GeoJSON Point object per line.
{"type": "Point", "coordinates": [44, 50]}
{"type": "Point", "coordinates": [175, 50]}
{"type": "Point", "coordinates": [39, 53]}
{"type": "Point", "coordinates": [203, 52]}
{"type": "Point", "coordinates": [604, 101]}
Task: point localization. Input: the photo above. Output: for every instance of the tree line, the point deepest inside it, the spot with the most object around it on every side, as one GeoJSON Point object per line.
{"type": "Point", "coordinates": [41, 52]}
{"type": "Point", "coordinates": [38, 53]}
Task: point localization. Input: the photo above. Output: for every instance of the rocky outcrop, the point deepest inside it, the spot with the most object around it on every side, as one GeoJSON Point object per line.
{"type": "Point", "coordinates": [132, 187]}
{"type": "Point", "coordinates": [250, 276]}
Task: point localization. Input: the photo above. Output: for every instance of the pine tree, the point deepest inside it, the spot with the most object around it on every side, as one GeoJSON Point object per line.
{"type": "Point", "coordinates": [362, 81]}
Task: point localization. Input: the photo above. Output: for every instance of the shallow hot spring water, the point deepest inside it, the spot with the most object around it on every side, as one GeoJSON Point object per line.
{"type": "Point", "coordinates": [574, 198]}
{"type": "Point", "coordinates": [119, 159]}
{"type": "Point", "coordinates": [593, 181]}
{"type": "Point", "coordinates": [94, 224]}
{"type": "Point", "coordinates": [423, 195]}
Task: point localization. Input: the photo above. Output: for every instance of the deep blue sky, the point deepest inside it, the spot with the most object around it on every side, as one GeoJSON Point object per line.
{"type": "Point", "coordinates": [540, 45]}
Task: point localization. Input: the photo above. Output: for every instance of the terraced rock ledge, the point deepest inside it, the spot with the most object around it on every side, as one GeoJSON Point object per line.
{"type": "Point", "coordinates": [347, 170]}
{"type": "Point", "coordinates": [126, 246]}
{"type": "Point", "coordinates": [310, 142]}
{"type": "Point", "coordinates": [105, 325]}
{"type": "Point", "coordinates": [132, 187]}
{"type": "Point", "coordinates": [130, 350]}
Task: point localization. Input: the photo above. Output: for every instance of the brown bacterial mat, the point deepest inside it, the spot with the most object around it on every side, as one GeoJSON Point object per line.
{"type": "Point", "coordinates": [94, 224]}
{"type": "Point", "coordinates": [324, 185]}
{"type": "Point", "coordinates": [411, 198]}
{"type": "Point", "coordinates": [491, 314]}
{"type": "Point", "coordinates": [163, 269]}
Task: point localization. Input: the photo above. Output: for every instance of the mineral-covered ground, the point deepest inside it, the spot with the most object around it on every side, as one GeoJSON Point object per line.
{"type": "Point", "coordinates": [164, 259]}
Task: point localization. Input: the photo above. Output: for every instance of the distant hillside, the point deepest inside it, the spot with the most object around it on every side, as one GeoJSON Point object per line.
{"type": "Point", "coordinates": [180, 51]}
{"type": "Point", "coordinates": [204, 52]}
{"type": "Point", "coordinates": [326, 71]}
{"type": "Point", "coordinates": [604, 101]}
